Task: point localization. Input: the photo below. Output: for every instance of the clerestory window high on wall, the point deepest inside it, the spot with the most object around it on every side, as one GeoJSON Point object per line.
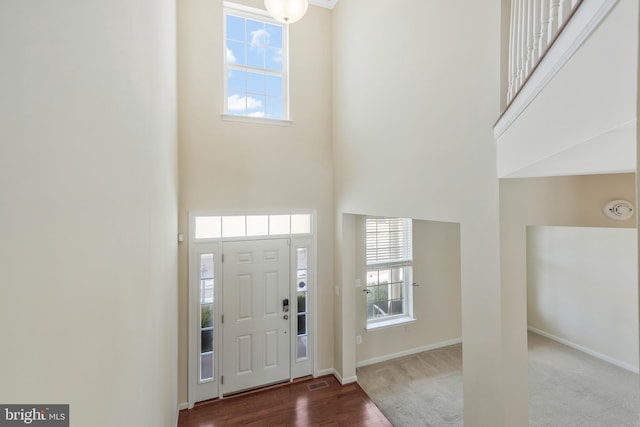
{"type": "Point", "coordinates": [389, 255]}
{"type": "Point", "coordinates": [256, 65]}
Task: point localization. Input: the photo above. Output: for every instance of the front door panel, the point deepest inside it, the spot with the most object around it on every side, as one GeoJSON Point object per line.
{"type": "Point", "coordinates": [256, 349]}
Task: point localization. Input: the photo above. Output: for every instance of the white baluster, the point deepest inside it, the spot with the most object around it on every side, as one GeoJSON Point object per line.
{"type": "Point", "coordinates": [563, 11]}
{"type": "Point", "coordinates": [545, 19]}
{"type": "Point", "coordinates": [516, 39]}
{"type": "Point", "coordinates": [533, 26]}
{"type": "Point", "coordinates": [530, 36]}
{"type": "Point", "coordinates": [525, 35]}
{"type": "Point", "coordinates": [537, 30]}
{"type": "Point", "coordinates": [522, 42]}
{"type": "Point", "coordinates": [511, 90]}
{"type": "Point", "coordinates": [554, 23]}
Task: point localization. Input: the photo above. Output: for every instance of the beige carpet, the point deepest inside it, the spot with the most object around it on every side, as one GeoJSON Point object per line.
{"type": "Point", "coordinates": [567, 388]}
{"type": "Point", "coordinates": [424, 389]}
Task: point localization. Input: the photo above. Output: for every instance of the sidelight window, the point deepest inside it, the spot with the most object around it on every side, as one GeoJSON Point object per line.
{"type": "Point", "coordinates": [206, 317]}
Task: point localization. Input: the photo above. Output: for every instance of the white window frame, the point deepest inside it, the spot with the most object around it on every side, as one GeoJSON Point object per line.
{"type": "Point", "coordinates": [247, 12]}
{"type": "Point", "coordinates": [405, 262]}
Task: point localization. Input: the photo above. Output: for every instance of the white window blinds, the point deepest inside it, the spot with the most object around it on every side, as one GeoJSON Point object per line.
{"type": "Point", "coordinates": [388, 241]}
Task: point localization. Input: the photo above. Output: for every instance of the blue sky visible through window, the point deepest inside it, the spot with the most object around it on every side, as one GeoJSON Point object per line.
{"type": "Point", "coordinates": [254, 57]}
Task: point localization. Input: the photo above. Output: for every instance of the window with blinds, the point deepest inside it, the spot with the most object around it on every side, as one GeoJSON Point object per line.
{"type": "Point", "coordinates": [389, 255]}
{"type": "Point", "coordinates": [388, 240]}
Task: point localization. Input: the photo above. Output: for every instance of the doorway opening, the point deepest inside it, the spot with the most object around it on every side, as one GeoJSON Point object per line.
{"type": "Point", "coordinates": [417, 354]}
{"type": "Point", "coordinates": [582, 321]}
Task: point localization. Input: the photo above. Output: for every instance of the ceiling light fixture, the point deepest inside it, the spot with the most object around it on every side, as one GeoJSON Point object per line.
{"type": "Point", "coordinates": [286, 11]}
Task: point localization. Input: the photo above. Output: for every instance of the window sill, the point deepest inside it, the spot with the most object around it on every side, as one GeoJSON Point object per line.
{"type": "Point", "coordinates": [389, 323]}
{"type": "Point", "coordinates": [256, 120]}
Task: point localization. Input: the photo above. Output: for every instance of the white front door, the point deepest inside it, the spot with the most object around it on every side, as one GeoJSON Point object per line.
{"type": "Point", "coordinates": [256, 301]}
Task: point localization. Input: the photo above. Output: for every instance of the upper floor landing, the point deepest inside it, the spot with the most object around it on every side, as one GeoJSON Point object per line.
{"type": "Point", "coordinates": [573, 102]}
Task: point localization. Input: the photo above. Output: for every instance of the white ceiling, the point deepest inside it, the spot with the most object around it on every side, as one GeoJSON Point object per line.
{"type": "Point", "coordinates": [329, 4]}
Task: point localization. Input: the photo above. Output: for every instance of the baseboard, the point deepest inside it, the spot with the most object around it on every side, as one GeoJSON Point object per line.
{"type": "Point", "coordinates": [408, 352]}
{"type": "Point", "coordinates": [344, 381]}
{"type": "Point", "coordinates": [590, 352]}
{"type": "Point", "coordinates": [177, 419]}
{"type": "Point", "coordinates": [324, 372]}
{"type": "Point", "coordinates": [181, 406]}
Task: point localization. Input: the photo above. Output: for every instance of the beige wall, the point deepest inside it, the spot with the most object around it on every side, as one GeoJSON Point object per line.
{"type": "Point", "coordinates": [436, 301]}
{"type": "Point", "coordinates": [231, 166]}
{"type": "Point", "coordinates": [344, 316]}
{"type": "Point", "coordinates": [569, 201]}
{"type": "Point", "coordinates": [88, 209]}
{"type": "Point", "coordinates": [559, 201]}
{"type": "Point", "coordinates": [416, 92]}
{"type": "Point", "coordinates": [582, 288]}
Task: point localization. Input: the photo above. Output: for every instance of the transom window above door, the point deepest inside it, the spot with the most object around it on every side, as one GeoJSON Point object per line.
{"type": "Point", "coordinates": [219, 227]}
{"type": "Point", "coordinates": [256, 65]}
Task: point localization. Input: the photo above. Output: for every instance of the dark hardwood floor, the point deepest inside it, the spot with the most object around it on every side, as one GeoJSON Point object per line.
{"type": "Point", "coordinates": [315, 402]}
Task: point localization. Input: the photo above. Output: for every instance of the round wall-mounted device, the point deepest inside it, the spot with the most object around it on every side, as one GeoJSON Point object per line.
{"type": "Point", "coordinates": [618, 210]}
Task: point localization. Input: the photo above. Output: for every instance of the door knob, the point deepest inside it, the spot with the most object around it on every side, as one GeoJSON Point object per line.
{"type": "Point", "coordinates": [285, 317]}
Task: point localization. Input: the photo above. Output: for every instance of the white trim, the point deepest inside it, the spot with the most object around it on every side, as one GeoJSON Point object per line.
{"type": "Point", "coordinates": [303, 367]}
{"type": "Point", "coordinates": [583, 23]}
{"type": "Point", "coordinates": [215, 245]}
{"type": "Point", "coordinates": [178, 413]}
{"type": "Point", "coordinates": [247, 12]}
{"type": "Point", "coordinates": [222, 214]}
{"type": "Point", "coordinates": [408, 352]}
{"type": "Point", "coordinates": [195, 247]}
{"type": "Point", "coordinates": [182, 406]}
{"type": "Point", "coordinates": [629, 125]}
{"type": "Point", "coordinates": [314, 296]}
{"type": "Point", "coordinates": [329, 4]}
{"type": "Point", "coordinates": [388, 246]}
{"type": "Point", "coordinates": [388, 323]}
{"type": "Point", "coordinates": [256, 120]}
{"type": "Point", "coordinates": [590, 352]}
{"type": "Point", "coordinates": [344, 381]}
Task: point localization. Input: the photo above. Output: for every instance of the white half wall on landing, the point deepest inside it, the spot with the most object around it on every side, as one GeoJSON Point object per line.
{"type": "Point", "coordinates": [583, 120]}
